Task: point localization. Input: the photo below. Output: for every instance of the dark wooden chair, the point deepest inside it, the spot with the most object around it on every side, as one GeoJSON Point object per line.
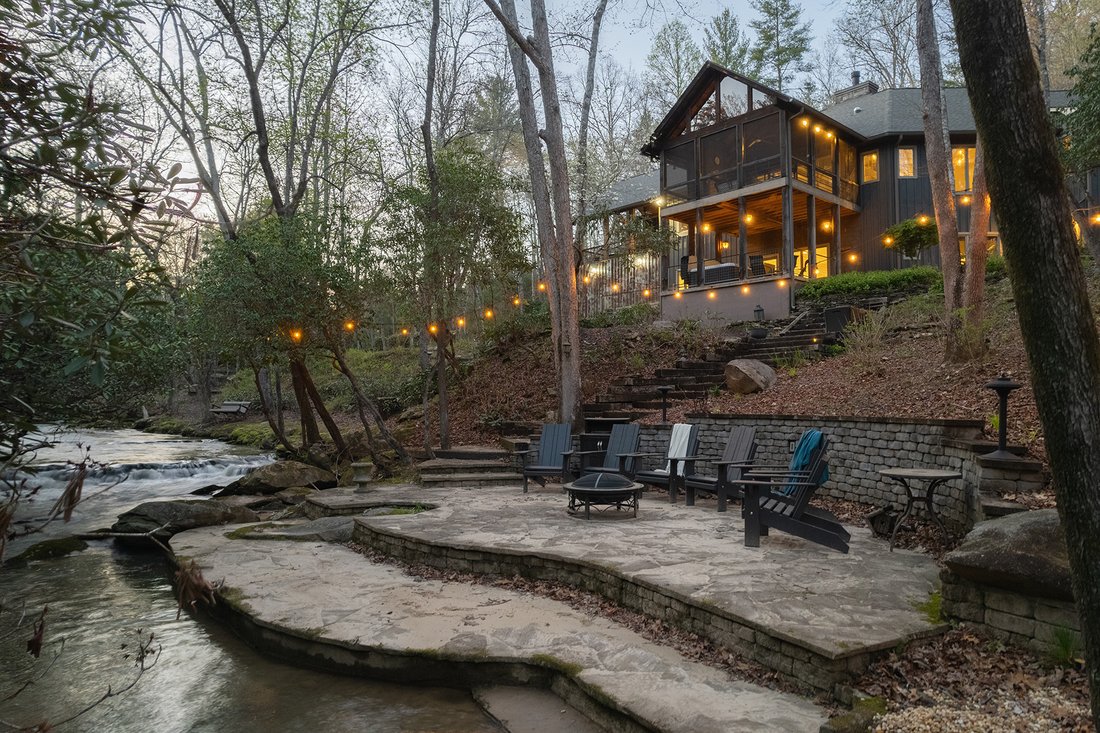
{"type": "Point", "coordinates": [682, 443]}
{"type": "Point", "coordinates": [780, 499]}
{"type": "Point", "coordinates": [756, 266]}
{"type": "Point", "coordinates": [735, 459]}
{"type": "Point", "coordinates": [612, 450]}
{"type": "Point", "coordinates": [551, 457]}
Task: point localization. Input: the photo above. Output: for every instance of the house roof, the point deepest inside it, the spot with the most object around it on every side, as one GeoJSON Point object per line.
{"type": "Point", "coordinates": [898, 111]}
{"type": "Point", "coordinates": [708, 74]}
{"type": "Point", "coordinates": [631, 193]}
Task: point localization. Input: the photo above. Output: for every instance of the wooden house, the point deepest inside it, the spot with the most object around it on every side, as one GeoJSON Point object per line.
{"type": "Point", "coordinates": [766, 193]}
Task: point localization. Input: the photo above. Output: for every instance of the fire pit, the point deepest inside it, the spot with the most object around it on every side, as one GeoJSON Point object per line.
{"type": "Point", "coordinates": [604, 490]}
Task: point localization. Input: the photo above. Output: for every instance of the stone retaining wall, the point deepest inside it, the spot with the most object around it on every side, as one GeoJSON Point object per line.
{"type": "Point", "coordinates": [799, 663]}
{"type": "Point", "coordinates": [858, 447]}
{"type": "Point", "coordinates": [1025, 620]}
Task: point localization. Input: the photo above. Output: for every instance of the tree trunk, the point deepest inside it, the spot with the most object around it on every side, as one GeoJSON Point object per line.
{"type": "Point", "coordinates": [442, 341]}
{"type": "Point", "coordinates": [582, 135]}
{"type": "Point", "coordinates": [937, 146]}
{"type": "Point", "coordinates": [976, 254]}
{"type": "Point", "coordinates": [276, 427]}
{"type": "Point", "coordinates": [279, 401]}
{"type": "Point", "coordinates": [322, 411]}
{"type": "Point", "coordinates": [310, 433]}
{"type": "Point", "coordinates": [366, 404]}
{"type": "Point", "coordinates": [1027, 187]}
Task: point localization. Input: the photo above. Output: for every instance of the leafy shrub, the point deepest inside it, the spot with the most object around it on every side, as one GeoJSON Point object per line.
{"type": "Point", "coordinates": [532, 321]}
{"type": "Point", "coordinates": [877, 282]}
{"type": "Point", "coordinates": [632, 315]}
{"type": "Point", "coordinates": [912, 236]}
{"type": "Point", "coordinates": [995, 268]}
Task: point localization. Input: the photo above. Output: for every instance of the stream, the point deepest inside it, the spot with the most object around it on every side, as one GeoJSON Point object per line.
{"type": "Point", "coordinates": [204, 679]}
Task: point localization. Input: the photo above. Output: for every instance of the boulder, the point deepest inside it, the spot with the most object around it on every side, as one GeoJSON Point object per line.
{"type": "Point", "coordinates": [745, 376]}
{"type": "Point", "coordinates": [1024, 552]}
{"type": "Point", "coordinates": [274, 477]}
{"type": "Point", "coordinates": [169, 517]}
{"type": "Point", "coordinates": [325, 529]}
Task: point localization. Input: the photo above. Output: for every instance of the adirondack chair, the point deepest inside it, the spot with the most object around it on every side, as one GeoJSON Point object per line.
{"type": "Point", "coordinates": [550, 457]}
{"type": "Point", "coordinates": [682, 443]}
{"type": "Point", "coordinates": [780, 499]}
{"type": "Point", "coordinates": [614, 450]}
{"type": "Point", "coordinates": [735, 459]}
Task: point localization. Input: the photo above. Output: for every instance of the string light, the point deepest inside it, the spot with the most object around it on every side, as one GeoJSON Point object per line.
{"type": "Point", "coordinates": [542, 287]}
{"type": "Point", "coordinates": [488, 314]}
{"type": "Point", "coordinates": [852, 257]}
{"type": "Point", "coordinates": [296, 335]}
{"type": "Point", "coordinates": [922, 219]}
{"type": "Point", "coordinates": [615, 287]}
{"type": "Point", "coordinates": [460, 322]}
{"type": "Point", "coordinates": [433, 329]}
{"type": "Point", "coordinates": [646, 293]}
{"type": "Point", "coordinates": [404, 332]}
{"type": "Point", "coordinates": [349, 325]}
{"type": "Point", "coordinates": [516, 301]}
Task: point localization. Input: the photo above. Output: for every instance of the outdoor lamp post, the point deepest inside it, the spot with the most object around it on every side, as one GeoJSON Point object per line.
{"type": "Point", "coordinates": [664, 389]}
{"type": "Point", "coordinates": [1002, 385]}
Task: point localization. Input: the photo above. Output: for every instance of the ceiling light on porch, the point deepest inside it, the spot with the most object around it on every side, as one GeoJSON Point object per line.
{"type": "Point", "coordinates": [805, 121]}
{"type": "Point", "coordinates": [723, 245]}
{"type": "Point", "coordinates": [817, 128]}
{"type": "Point", "coordinates": [826, 226]}
{"type": "Point", "coordinates": [748, 218]}
{"type": "Point", "coordinates": [659, 201]}
{"type": "Point", "coordinates": [829, 134]}
{"type": "Point", "coordinates": [712, 295]}
{"type": "Point", "coordinates": [706, 228]}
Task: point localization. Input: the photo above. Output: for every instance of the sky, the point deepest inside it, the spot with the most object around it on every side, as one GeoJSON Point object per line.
{"type": "Point", "coordinates": [629, 34]}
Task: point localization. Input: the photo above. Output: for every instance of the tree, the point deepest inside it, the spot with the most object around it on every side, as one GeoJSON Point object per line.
{"type": "Point", "coordinates": [726, 45]}
{"type": "Point", "coordinates": [879, 39]}
{"type": "Point", "coordinates": [782, 41]}
{"type": "Point", "coordinates": [1028, 192]}
{"type": "Point", "coordinates": [553, 213]}
{"type": "Point", "coordinates": [1082, 129]}
{"type": "Point", "coordinates": [937, 146]}
{"type": "Point", "coordinates": [672, 63]}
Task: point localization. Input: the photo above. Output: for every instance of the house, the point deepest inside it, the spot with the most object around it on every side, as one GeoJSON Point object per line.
{"type": "Point", "coordinates": [766, 193]}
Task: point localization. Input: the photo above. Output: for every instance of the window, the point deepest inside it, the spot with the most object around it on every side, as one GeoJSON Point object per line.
{"type": "Point", "coordinates": [962, 163]}
{"type": "Point", "coordinates": [680, 170]}
{"type": "Point", "coordinates": [734, 97]}
{"type": "Point", "coordinates": [870, 167]}
{"type": "Point", "coordinates": [907, 163]}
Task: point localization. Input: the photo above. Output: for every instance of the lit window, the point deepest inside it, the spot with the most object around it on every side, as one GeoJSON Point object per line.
{"type": "Point", "coordinates": [962, 164]}
{"type": "Point", "coordinates": [907, 163]}
{"type": "Point", "coordinates": [870, 167]}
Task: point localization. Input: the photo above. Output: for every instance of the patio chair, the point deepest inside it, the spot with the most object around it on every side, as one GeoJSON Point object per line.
{"type": "Point", "coordinates": [614, 450]}
{"type": "Point", "coordinates": [550, 457]}
{"type": "Point", "coordinates": [756, 266]}
{"type": "Point", "coordinates": [779, 499]}
{"type": "Point", "coordinates": [682, 442]}
{"type": "Point", "coordinates": [735, 459]}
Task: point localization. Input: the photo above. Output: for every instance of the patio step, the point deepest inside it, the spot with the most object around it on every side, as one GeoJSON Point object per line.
{"type": "Point", "coordinates": [470, 480]}
{"type": "Point", "coordinates": [442, 466]}
{"type": "Point", "coordinates": [471, 452]}
{"type": "Point", "coordinates": [995, 506]}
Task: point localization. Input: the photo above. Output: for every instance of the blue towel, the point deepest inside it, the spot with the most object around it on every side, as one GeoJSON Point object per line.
{"type": "Point", "coordinates": [810, 441]}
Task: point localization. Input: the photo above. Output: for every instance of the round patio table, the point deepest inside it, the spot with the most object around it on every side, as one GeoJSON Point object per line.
{"type": "Point", "coordinates": [603, 490]}
{"type": "Point", "coordinates": [933, 476]}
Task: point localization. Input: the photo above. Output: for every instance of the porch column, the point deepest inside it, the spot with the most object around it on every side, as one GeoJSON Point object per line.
{"type": "Point", "coordinates": [742, 238]}
{"type": "Point", "coordinates": [811, 222]}
{"type": "Point", "coordinates": [700, 247]}
{"type": "Point", "coordinates": [837, 238]}
{"type": "Point", "coordinates": [786, 263]}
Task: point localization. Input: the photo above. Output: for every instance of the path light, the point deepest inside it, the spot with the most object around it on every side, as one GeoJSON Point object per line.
{"type": "Point", "coordinates": [664, 389]}
{"type": "Point", "coordinates": [1002, 385]}
{"type": "Point", "coordinates": [758, 312]}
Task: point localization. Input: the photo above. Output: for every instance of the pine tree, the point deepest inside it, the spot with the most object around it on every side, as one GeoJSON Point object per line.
{"type": "Point", "coordinates": [726, 45]}
{"type": "Point", "coordinates": [782, 41]}
{"type": "Point", "coordinates": [673, 61]}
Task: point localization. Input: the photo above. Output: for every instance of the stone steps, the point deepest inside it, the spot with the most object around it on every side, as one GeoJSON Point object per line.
{"type": "Point", "coordinates": [441, 466]}
{"type": "Point", "coordinates": [470, 480]}
{"type": "Point", "coordinates": [995, 506]}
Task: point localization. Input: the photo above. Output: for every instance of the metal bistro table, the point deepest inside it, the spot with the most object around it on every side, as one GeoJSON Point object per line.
{"type": "Point", "coordinates": [933, 476]}
{"type": "Point", "coordinates": [603, 490]}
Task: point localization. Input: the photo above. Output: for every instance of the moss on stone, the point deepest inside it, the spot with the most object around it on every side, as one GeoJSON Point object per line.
{"type": "Point", "coordinates": [558, 665]}
{"type": "Point", "coordinates": [49, 549]}
{"type": "Point", "coordinates": [932, 608]}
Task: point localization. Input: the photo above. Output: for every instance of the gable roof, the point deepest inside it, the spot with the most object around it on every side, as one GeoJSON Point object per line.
{"type": "Point", "coordinates": [632, 193]}
{"type": "Point", "coordinates": [708, 74]}
{"type": "Point", "coordinates": [898, 111]}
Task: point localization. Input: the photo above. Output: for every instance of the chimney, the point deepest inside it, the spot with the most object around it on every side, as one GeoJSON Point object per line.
{"type": "Point", "coordinates": [858, 89]}
{"type": "Point", "coordinates": [855, 77]}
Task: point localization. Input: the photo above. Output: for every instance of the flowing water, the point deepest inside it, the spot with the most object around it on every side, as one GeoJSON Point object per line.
{"type": "Point", "coordinates": [204, 679]}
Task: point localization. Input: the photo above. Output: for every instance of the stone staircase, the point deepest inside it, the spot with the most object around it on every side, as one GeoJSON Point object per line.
{"type": "Point", "coordinates": [469, 467]}
{"type": "Point", "coordinates": [630, 397]}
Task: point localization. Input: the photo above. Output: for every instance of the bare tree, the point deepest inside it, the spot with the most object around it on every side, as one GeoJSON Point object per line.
{"type": "Point", "coordinates": [937, 145]}
{"type": "Point", "coordinates": [880, 38]}
{"type": "Point", "coordinates": [1028, 191]}
{"type": "Point", "coordinates": [553, 214]}
{"type": "Point", "coordinates": [581, 195]}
